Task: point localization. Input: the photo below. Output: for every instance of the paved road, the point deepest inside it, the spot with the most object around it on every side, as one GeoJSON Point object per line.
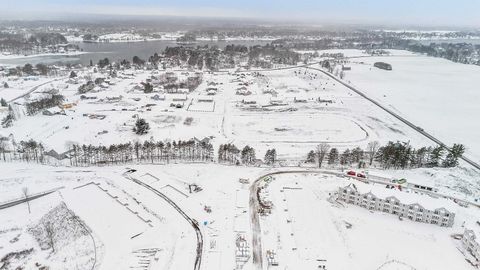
{"type": "Point", "coordinates": [193, 223]}
{"type": "Point", "coordinates": [30, 197]}
{"type": "Point", "coordinates": [33, 89]}
{"type": "Point", "coordinates": [254, 205]}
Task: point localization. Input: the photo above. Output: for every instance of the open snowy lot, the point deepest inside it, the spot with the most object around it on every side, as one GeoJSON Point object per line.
{"type": "Point", "coordinates": [129, 226]}
{"type": "Point", "coordinates": [306, 230]}
{"type": "Point", "coordinates": [438, 95]}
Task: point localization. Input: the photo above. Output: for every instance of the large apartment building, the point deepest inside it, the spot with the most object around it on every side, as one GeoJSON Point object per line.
{"type": "Point", "coordinates": [391, 204]}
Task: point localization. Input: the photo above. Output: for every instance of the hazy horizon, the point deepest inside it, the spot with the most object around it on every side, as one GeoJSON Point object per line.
{"type": "Point", "coordinates": [408, 13]}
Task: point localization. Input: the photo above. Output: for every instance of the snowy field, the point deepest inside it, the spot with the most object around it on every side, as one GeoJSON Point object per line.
{"type": "Point", "coordinates": [291, 110]}
{"type": "Point", "coordinates": [438, 95]}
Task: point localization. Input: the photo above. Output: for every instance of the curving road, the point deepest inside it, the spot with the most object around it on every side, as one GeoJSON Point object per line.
{"type": "Point", "coordinates": [193, 222]}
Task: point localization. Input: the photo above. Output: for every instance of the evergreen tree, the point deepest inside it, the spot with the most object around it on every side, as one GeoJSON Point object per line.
{"type": "Point", "coordinates": [147, 88]}
{"type": "Point", "coordinates": [141, 127]}
{"type": "Point", "coordinates": [270, 156]}
{"type": "Point", "coordinates": [7, 121]}
{"type": "Point", "coordinates": [42, 68]}
{"type": "Point", "coordinates": [345, 158]}
{"type": "Point", "coordinates": [333, 156]}
{"type": "Point", "coordinates": [451, 160]}
{"type": "Point", "coordinates": [435, 156]}
{"type": "Point", "coordinates": [137, 61]}
{"type": "Point", "coordinates": [248, 155]}
{"type": "Point", "coordinates": [28, 69]}
{"type": "Point", "coordinates": [103, 62]}
{"type": "Point", "coordinates": [3, 102]}
{"type": "Point", "coordinates": [310, 157]}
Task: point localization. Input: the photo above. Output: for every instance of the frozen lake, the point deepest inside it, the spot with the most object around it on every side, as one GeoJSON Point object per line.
{"type": "Point", "coordinates": [118, 51]}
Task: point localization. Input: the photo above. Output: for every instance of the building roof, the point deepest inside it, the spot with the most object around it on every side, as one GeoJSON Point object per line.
{"type": "Point", "coordinates": [406, 196]}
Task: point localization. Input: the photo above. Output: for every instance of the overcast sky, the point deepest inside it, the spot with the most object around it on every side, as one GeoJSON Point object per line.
{"type": "Point", "coordinates": [408, 12]}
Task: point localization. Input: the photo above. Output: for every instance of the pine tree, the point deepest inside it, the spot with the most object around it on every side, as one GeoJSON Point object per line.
{"type": "Point", "coordinates": [451, 160]}
{"type": "Point", "coordinates": [248, 155]}
{"type": "Point", "coordinates": [310, 157]}
{"type": "Point", "coordinates": [270, 156]}
{"type": "Point", "coordinates": [345, 158]}
{"type": "Point", "coordinates": [333, 156]}
{"type": "Point", "coordinates": [435, 156]}
{"type": "Point", "coordinates": [141, 127]}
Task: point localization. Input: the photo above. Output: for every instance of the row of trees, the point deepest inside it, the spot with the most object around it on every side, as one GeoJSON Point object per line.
{"type": "Point", "coordinates": [393, 155]}
{"type": "Point", "coordinates": [148, 151]}
{"type": "Point", "coordinates": [400, 155]}
{"type": "Point", "coordinates": [27, 151]}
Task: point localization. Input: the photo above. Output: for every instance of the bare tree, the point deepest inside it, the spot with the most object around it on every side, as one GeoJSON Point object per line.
{"type": "Point", "coordinates": [25, 194]}
{"type": "Point", "coordinates": [3, 148]}
{"type": "Point", "coordinates": [372, 149]}
{"type": "Point", "coordinates": [322, 150]}
{"type": "Point", "coordinates": [49, 234]}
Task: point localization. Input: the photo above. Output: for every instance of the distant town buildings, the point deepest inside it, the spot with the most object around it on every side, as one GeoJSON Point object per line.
{"type": "Point", "coordinates": [392, 205]}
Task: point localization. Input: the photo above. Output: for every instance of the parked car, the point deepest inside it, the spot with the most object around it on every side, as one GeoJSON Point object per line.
{"type": "Point", "coordinates": [361, 175]}
{"type": "Point", "coordinates": [352, 173]}
{"type": "Point", "coordinates": [400, 181]}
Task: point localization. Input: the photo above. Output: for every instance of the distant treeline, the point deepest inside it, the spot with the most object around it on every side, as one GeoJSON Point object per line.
{"type": "Point", "coordinates": [29, 44]}
{"type": "Point", "coordinates": [456, 52]}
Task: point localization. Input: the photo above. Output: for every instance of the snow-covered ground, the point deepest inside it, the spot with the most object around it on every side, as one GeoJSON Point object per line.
{"type": "Point", "coordinates": [294, 110]}
{"type": "Point", "coordinates": [305, 228]}
{"type": "Point", "coordinates": [291, 110]}
{"type": "Point", "coordinates": [130, 226]}
{"type": "Point", "coordinates": [436, 94]}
